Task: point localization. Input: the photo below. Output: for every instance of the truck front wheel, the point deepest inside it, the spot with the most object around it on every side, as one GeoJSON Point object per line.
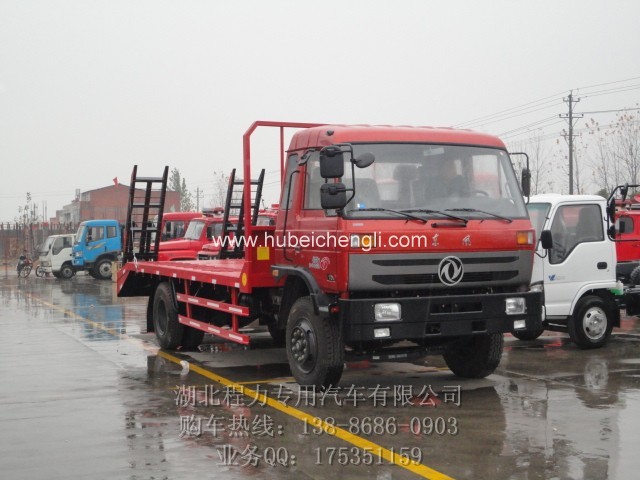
{"type": "Point", "coordinates": [66, 271]}
{"type": "Point", "coordinates": [165, 318]}
{"type": "Point", "coordinates": [102, 269]}
{"type": "Point", "coordinates": [591, 324]}
{"type": "Point", "coordinates": [476, 356]}
{"type": "Point", "coordinates": [314, 345]}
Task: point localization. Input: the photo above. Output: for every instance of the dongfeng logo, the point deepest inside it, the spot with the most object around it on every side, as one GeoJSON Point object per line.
{"type": "Point", "coordinates": [450, 270]}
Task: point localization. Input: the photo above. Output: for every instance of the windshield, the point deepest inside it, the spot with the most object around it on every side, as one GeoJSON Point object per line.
{"type": "Point", "coordinates": [44, 248]}
{"type": "Point", "coordinates": [194, 230]}
{"type": "Point", "coordinates": [538, 213]}
{"type": "Point", "coordinates": [454, 178]}
{"type": "Point", "coordinates": [80, 234]}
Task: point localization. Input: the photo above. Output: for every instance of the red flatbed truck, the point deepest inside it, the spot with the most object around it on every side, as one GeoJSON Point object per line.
{"type": "Point", "coordinates": [373, 255]}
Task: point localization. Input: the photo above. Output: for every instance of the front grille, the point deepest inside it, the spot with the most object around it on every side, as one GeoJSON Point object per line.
{"type": "Point", "coordinates": [419, 271]}
{"type": "Point", "coordinates": [422, 278]}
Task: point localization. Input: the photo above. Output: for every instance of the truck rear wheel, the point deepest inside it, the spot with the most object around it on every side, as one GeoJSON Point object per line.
{"type": "Point", "coordinates": [314, 345]}
{"type": "Point", "coordinates": [476, 356]}
{"type": "Point", "coordinates": [102, 270]}
{"type": "Point", "coordinates": [591, 324]}
{"type": "Point", "coordinates": [66, 272]}
{"type": "Point", "coordinates": [169, 330]}
{"type": "Point", "coordinates": [634, 278]}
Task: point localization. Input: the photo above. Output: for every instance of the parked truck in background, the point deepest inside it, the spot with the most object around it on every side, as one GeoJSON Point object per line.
{"type": "Point", "coordinates": [98, 243]}
{"type": "Point", "coordinates": [175, 224]}
{"type": "Point", "coordinates": [389, 242]}
{"type": "Point", "coordinates": [578, 270]}
{"type": "Point", "coordinates": [628, 243]}
{"type": "Point", "coordinates": [200, 231]}
{"type": "Point", "coordinates": [56, 256]}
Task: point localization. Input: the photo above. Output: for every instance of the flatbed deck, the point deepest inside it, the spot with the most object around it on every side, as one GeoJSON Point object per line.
{"type": "Point", "coordinates": [226, 272]}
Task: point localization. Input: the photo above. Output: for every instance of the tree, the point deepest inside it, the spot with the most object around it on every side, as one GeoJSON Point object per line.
{"type": "Point", "coordinates": [220, 185]}
{"type": "Point", "coordinates": [179, 184]}
{"type": "Point", "coordinates": [539, 162]}
{"type": "Point", "coordinates": [615, 152]}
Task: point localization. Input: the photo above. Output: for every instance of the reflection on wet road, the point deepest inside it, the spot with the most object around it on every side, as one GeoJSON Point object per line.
{"type": "Point", "coordinates": [87, 394]}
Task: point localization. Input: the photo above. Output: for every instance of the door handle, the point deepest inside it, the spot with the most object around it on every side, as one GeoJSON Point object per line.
{"type": "Point", "coordinates": [602, 265]}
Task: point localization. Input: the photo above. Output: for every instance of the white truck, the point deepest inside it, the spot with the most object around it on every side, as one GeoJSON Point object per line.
{"type": "Point", "coordinates": [575, 265]}
{"type": "Point", "coordinates": [56, 255]}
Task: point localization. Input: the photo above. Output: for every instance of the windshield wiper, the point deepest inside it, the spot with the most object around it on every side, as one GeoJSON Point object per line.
{"type": "Point", "coordinates": [404, 214]}
{"type": "Point", "coordinates": [475, 210]}
{"type": "Point", "coordinates": [438, 212]}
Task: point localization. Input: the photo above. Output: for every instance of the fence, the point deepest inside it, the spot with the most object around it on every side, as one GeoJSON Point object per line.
{"type": "Point", "coordinates": [15, 237]}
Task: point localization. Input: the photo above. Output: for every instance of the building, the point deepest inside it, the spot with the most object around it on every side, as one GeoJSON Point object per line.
{"type": "Point", "coordinates": [106, 202]}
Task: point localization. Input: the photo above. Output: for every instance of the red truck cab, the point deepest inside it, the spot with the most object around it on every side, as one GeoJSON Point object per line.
{"type": "Point", "coordinates": [627, 243]}
{"type": "Point", "coordinates": [266, 217]}
{"type": "Point", "coordinates": [201, 230]}
{"type": "Point", "coordinates": [175, 224]}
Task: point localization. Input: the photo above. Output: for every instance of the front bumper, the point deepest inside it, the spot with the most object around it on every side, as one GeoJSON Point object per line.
{"type": "Point", "coordinates": [425, 318]}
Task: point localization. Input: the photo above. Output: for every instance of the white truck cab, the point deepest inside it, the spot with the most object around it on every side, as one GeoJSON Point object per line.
{"type": "Point", "coordinates": [578, 272]}
{"type": "Point", "coordinates": [56, 255]}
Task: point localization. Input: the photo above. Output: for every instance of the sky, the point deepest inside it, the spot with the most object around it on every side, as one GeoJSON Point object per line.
{"type": "Point", "coordinates": [90, 88]}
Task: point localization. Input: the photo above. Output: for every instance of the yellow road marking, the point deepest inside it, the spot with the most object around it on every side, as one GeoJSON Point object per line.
{"type": "Point", "coordinates": [360, 442]}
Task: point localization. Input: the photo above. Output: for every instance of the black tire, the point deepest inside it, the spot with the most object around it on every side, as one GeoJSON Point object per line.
{"type": "Point", "coordinates": [24, 271]}
{"type": "Point", "coordinates": [102, 269]}
{"type": "Point", "coordinates": [634, 278]}
{"type": "Point", "coordinates": [527, 334]}
{"type": "Point", "coordinates": [169, 330]}
{"type": "Point", "coordinates": [66, 272]}
{"type": "Point", "coordinates": [314, 344]}
{"type": "Point", "coordinates": [40, 271]}
{"type": "Point", "coordinates": [591, 323]}
{"type": "Point", "coordinates": [476, 356]}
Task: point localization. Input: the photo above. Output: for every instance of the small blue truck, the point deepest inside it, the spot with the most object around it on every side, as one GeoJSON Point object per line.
{"type": "Point", "coordinates": [97, 244]}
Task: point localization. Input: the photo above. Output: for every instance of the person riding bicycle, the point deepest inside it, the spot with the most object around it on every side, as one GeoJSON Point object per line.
{"type": "Point", "coordinates": [22, 260]}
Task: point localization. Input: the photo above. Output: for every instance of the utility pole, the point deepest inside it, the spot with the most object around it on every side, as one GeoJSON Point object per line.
{"type": "Point", "coordinates": [570, 100]}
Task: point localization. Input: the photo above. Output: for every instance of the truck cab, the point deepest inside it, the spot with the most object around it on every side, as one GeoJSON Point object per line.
{"type": "Point", "coordinates": [578, 272]}
{"type": "Point", "coordinates": [175, 224]}
{"type": "Point", "coordinates": [56, 255]}
{"type": "Point", "coordinates": [200, 231]}
{"type": "Point", "coordinates": [628, 243]}
{"type": "Point", "coordinates": [98, 243]}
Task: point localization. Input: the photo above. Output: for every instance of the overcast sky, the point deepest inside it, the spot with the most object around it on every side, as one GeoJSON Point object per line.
{"type": "Point", "coordinates": [90, 88]}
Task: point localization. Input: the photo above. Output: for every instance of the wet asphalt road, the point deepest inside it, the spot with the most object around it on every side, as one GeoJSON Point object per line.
{"type": "Point", "coordinates": [86, 393]}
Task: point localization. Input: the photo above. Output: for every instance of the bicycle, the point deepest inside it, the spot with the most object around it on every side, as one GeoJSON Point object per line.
{"type": "Point", "coordinates": [40, 271]}
{"type": "Point", "coordinates": [25, 264]}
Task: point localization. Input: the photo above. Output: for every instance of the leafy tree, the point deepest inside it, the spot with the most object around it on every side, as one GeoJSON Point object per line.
{"type": "Point", "coordinates": [179, 184]}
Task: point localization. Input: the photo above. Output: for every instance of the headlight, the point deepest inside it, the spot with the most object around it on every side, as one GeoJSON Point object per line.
{"type": "Point", "coordinates": [515, 306]}
{"type": "Point", "coordinates": [387, 312]}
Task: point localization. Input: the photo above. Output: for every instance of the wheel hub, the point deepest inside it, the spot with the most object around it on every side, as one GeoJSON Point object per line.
{"type": "Point", "coordinates": [303, 346]}
{"type": "Point", "coordinates": [595, 323]}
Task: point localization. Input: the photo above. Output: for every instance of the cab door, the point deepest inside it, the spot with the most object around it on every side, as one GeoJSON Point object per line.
{"type": "Point", "coordinates": [580, 256]}
{"type": "Point", "coordinates": [96, 243]}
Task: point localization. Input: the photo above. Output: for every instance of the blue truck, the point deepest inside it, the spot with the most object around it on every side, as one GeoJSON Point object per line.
{"type": "Point", "coordinates": [97, 244]}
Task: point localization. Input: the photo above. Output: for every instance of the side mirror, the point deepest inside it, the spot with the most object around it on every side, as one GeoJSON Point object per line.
{"type": "Point", "coordinates": [526, 182]}
{"type": "Point", "coordinates": [611, 231]}
{"type": "Point", "coordinates": [333, 196]}
{"type": "Point", "coordinates": [611, 210]}
{"type": "Point", "coordinates": [331, 162]}
{"type": "Point", "coordinates": [546, 239]}
{"type": "Point", "coordinates": [364, 160]}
